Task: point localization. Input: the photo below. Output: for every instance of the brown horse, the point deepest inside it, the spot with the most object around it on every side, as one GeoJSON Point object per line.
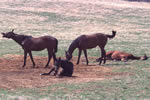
{"type": "Point", "coordinates": [67, 68]}
{"type": "Point", "coordinates": [122, 56]}
{"type": "Point", "coordinates": [29, 43]}
{"type": "Point", "coordinates": [84, 42]}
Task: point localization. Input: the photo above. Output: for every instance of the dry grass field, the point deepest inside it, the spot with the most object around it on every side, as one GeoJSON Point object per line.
{"type": "Point", "coordinates": [13, 76]}
{"type": "Point", "coordinates": [66, 20]}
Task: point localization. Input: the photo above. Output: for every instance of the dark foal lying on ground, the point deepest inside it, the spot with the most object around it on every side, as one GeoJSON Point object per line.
{"type": "Point", "coordinates": [84, 42]}
{"type": "Point", "coordinates": [122, 56]}
{"type": "Point", "coordinates": [67, 68]}
{"type": "Point", "coordinates": [29, 44]}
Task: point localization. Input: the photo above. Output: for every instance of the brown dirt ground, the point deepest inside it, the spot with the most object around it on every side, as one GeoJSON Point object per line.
{"type": "Point", "coordinates": [13, 76]}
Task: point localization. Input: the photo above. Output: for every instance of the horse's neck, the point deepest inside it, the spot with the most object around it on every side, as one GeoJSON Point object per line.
{"type": "Point", "coordinates": [19, 38]}
{"type": "Point", "coordinates": [64, 63]}
{"type": "Point", "coordinates": [73, 46]}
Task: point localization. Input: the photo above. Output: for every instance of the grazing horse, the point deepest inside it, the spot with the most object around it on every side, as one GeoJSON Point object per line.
{"type": "Point", "coordinates": [65, 65]}
{"type": "Point", "coordinates": [84, 42]}
{"type": "Point", "coordinates": [29, 44]}
{"type": "Point", "coordinates": [122, 56]}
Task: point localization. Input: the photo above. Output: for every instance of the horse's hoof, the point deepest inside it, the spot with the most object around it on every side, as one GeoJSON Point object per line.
{"type": "Point", "coordinates": [46, 67]}
{"type": "Point", "coordinates": [23, 66]}
{"type": "Point", "coordinates": [100, 63]}
{"type": "Point", "coordinates": [33, 67]}
{"type": "Point", "coordinates": [41, 74]}
{"type": "Point", "coordinates": [77, 63]}
{"type": "Point", "coordinates": [104, 62]}
{"type": "Point", "coordinates": [98, 59]}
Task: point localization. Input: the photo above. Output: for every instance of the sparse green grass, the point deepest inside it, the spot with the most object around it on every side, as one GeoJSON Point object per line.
{"type": "Point", "coordinates": [133, 33]}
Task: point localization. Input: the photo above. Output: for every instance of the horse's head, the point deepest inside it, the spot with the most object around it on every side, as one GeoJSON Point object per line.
{"type": "Point", "coordinates": [57, 62]}
{"type": "Point", "coordinates": [8, 34]}
{"type": "Point", "coordinates": [144, 57]}
{"type": "Point", "coordinates": [113, 31]}
{"type": "Point", "coordinates": [68, 55]}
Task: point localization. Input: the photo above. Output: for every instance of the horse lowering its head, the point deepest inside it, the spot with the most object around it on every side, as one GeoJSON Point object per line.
{"type": "Point", "coordinates": [84, 42]}
{"type": "Point", "coordinates": [67, 68]}
{"type": "Point", "coordinates": [29, 43]}
{"type": "Point", "coordinates": [123, 56]}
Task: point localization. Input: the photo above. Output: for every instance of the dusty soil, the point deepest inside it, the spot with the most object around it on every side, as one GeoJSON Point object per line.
{"type": "Point", "coordinates": [12, 75]}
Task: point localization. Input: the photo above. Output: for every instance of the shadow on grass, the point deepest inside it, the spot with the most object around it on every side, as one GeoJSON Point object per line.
{"type": "Point", "coordinates": [118, 64]}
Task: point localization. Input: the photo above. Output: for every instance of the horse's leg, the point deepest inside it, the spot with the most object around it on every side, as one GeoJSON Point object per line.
{"type": "Point", "coordinates": [79, 54]}
{"type": "Point", "coordinates": [49, 58]}
{"type": "Point", "coordinates": [61, 73]}
{"type": "Point", "coordinates": [101, 58]}
{"type": "Point", "coordinates": [85, 53]}
{"type": "Point", "coordinates": [49, 71]}
{"type": "Point", "coordinates": [31, 57]}
{"type": "Point", "coordinates": [25, 57]}
{"type": "Point", "coordinates": [103, 53]}
{"type": "Point", "coordinates": [54, 57]}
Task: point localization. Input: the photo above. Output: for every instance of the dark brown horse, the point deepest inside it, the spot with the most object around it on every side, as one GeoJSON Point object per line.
{"type": "Point", "coordinates": [84, 42]}
{"type": "Point", "coordinates": [29, 43]}
{"type": "Point", "coordinates": [67, 68]}
{"type": "Point", "coordinates": [122, 56]}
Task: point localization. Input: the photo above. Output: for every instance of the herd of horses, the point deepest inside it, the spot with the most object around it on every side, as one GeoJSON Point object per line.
{"type": "Point", "coordinates": [83, 42]}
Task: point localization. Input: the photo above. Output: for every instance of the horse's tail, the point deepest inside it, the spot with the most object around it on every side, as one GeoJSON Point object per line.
{"type": "Point", "coordinates": [113, 34]}
{"type": "Point", "coordinates": [56, 46]}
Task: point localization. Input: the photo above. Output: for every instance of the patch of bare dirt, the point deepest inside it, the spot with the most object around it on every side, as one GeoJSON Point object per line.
{"type": "Point", "coordinates": [12, 75]}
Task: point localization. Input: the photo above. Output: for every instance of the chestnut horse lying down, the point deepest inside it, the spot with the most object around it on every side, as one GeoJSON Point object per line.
{"type": "Point", "coordinates": [65, 65]}
{"type": "Point", "coordinates": [122, 56]}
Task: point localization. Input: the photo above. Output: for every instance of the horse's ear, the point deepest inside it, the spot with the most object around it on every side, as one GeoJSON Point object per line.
{"type": "Point", "coordinates": [114, 31]}
{"type": "Point", "coordinates": [65, 51]}
{"type": "Point", "coordinates": [12, 30]}
{"type": "Point", "coordinates": [59, 59]}
{"type": "Point", "coordinates": [3, 34]}
{"type": "Point", "coordinates": [146, 55]}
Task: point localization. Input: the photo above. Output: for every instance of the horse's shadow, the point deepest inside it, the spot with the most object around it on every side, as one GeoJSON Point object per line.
{"type": "Point", "coordinates": [66, 77]}
{"type": "Point", "coordinates": [117, 64]}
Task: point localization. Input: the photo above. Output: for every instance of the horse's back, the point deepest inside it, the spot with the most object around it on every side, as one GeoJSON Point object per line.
{"type": "Point", "coordinates": [67, 64]}
{"type": "Point", "coordinates": [47, 38]}
{"type": "Point", "coordinates": [91, 41]}
{"type": "Point", "coordinates": [101, 38]}
{"type": "Point", "coordinates": [40, 43]}
{"type": "Point", "coordinates": [120, 55]}
{"type": "Point", "coordinates": [109, 54]}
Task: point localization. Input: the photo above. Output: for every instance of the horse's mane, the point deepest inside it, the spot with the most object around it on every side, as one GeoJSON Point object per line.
{"type": "Point", "coordinates": [73, 45]}
{"type": "Point", "coordinates": [20, 38]}
{"type": "Point", "coordinates": [23, 36]}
